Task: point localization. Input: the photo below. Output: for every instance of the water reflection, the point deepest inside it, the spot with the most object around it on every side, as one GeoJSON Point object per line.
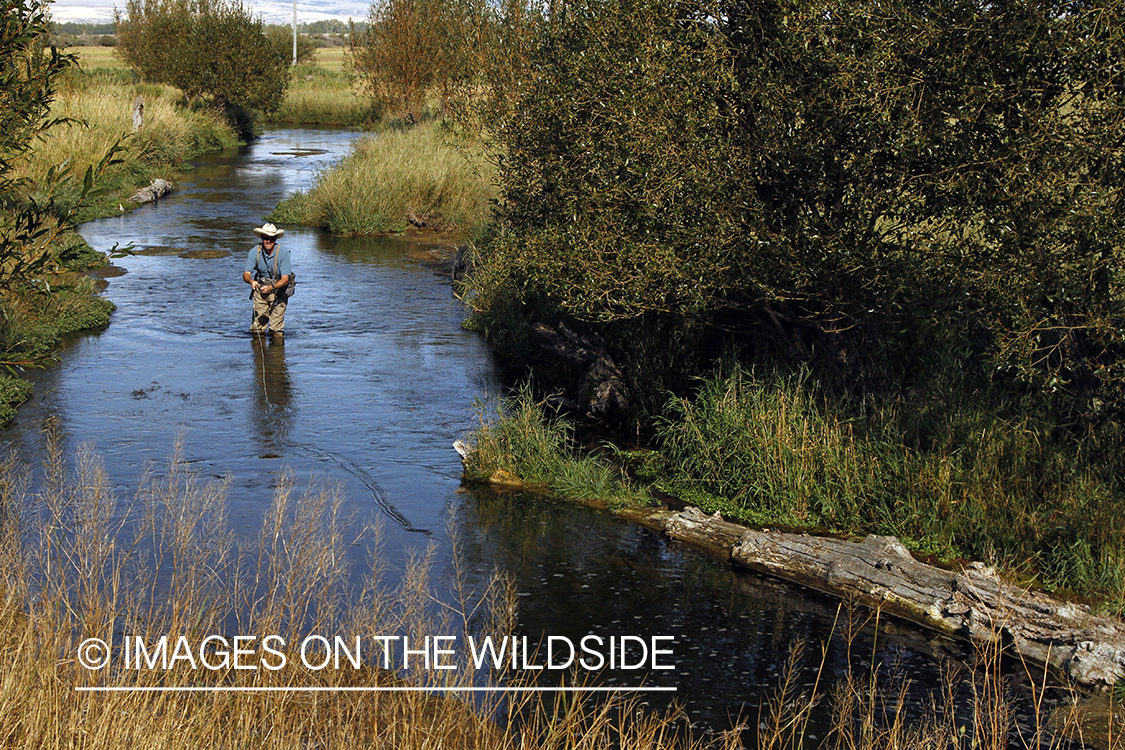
{"type": "Point", "coordinates": [272, 414]}
{"type": "Point", "coordinates": [578, 572]}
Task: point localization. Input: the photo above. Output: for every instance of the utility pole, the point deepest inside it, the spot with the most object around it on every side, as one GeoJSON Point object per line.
{"type": "Point", "coordinates": [294, 32]}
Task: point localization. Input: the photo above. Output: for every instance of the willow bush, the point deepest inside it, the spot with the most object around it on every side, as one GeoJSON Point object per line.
{"type": "Point", "coordinates": [915, 203]}
{"type": "Point", "coordinates": [816, 179]}
{"type": "Point", "coordinates": [209, 49]}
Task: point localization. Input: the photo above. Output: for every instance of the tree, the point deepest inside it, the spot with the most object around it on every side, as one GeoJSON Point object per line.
{"type": "Point", "coordinates": [28, 74]}
{"type": "Point", "coordinates": [282, 38]}
{"type": "Point", "coordinates": [210, 49]}
{"type": "Point", "coordinates": [820, 175]}
{"type": "Point", "coordinates": [412, 48]}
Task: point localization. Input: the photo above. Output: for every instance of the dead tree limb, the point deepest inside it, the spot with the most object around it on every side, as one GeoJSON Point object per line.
{"type": "Point", "coordinates": [601, 385]}
{"type": "Point", "coordinates": [974, 603]}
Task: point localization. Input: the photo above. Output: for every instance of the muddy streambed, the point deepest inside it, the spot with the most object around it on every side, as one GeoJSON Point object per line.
{"type": "Point", "coordinates": [374, 382]}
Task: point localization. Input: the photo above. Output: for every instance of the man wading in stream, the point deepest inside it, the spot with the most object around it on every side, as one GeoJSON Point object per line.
{"type": "Point", "coordinates": [268, 272]}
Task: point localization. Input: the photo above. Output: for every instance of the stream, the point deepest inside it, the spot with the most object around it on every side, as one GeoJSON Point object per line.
{"type": "Point", "coordinates": [374, 382]}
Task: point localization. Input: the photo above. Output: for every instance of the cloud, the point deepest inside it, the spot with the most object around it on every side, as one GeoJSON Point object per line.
{"type": "Point", "coordinates": [279, 12]}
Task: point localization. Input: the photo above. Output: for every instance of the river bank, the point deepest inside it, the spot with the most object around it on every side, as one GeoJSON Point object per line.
{"type": "Point", "coordinates": [99, 126]}
{"type": "Point", "coordinates": [329, 377]}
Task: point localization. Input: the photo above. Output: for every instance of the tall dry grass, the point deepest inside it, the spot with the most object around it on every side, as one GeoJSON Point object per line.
{"type": "Point", "coordinates": [78, 563]}
{"type": "Point", "coordinates": [100, 109]}
{"type": "Point", "coordinates": [974, 706]}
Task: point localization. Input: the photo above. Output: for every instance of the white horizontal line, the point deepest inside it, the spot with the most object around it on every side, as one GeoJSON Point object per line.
{"type": "Point", "coordinates": [264, 689]}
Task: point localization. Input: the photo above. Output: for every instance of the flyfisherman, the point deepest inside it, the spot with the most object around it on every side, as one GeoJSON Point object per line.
{"type": "Point", "coordinates": [268, 271]}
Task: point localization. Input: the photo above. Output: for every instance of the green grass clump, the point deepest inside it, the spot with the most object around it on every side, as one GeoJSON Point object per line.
{"type": "Point", "coordinates": [33, 324]}
{"type": "Point", "coordinates": [520, 439]}
{"type": "Point", "coordinates": [395, 180]}
{"type": "Point", "coordinates": [13, 391]}
{"type": "Point", "coordinates": [776, 448]}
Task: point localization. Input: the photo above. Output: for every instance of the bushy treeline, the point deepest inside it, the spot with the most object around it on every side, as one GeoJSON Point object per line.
{"type": "Point", "coordinates": [82, 29]}
{"type": "Point", "coordinates": [839, 184]}
{"type": "Point", "coordinates": [829, 182]}
{"type": "Point", "coordinates": [917, 205]}
{"type": "Point", "coordinates": [460, 52]}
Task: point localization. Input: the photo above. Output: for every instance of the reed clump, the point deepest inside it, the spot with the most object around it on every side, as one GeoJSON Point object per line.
{"type": "Point", "coordinates": [398, 179]}
{"type": "Point", "coordinates": [76, 563]}
{"type": "Point", "coordinates": [518, 443]}
{"type": "Point", "coordinates": [768, 446]}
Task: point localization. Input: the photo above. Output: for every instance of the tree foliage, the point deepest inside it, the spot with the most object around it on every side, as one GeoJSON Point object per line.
{"type": "Point", "coordinates": [815, 172]}
{"type": "Point", "coordinates": [29, 71]}
{"type": "Point", "coordinates": [412, 49]}
{"type": "Point", "coordinates": [282, 38]}
{"type": "Point", "coordinates": [210, 49]}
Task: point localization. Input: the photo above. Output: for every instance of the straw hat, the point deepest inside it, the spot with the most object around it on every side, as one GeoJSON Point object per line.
{"type": "Point", "coordinates": [268, 230]}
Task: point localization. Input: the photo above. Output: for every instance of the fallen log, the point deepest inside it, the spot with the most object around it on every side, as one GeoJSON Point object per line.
{"type": "Point", "coordinates": [152, 192]}
{"type": "Point", "coordinates": [879, 573]}
{"type": "Point", "coordinates": [974, 603]}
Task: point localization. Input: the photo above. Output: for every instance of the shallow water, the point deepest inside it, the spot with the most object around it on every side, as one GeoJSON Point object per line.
{"type": "Point", "coordinates": [374, 382]}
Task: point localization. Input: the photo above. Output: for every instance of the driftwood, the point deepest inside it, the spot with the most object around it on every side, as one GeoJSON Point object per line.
{"type": "Point", "coordinates": [152, 192]}
{"type": "Point", "coordinates": [138, 113]}
{"type": "Point", "coordinates": [463, 263]}
{"type": "Point", "coordinates": [602, 386]}
{"type": "Point", "coordinates": [973, 603]}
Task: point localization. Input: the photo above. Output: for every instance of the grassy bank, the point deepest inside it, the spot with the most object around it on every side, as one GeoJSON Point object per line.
{"type": "Point", "coordinates": [33, 323]}
{"type": "Point", "coordinates": [395, 180]}
{"type": "Point", "coordinates": [323, 95]}
{"type": "Point", "coordinates": [100, 102]}
{"type": "Point", "coordinates": [165, 564]}
{"type": "Point", "coordinates": [45, 295]}
{"type": "Point", "coordinates": [776, 449]}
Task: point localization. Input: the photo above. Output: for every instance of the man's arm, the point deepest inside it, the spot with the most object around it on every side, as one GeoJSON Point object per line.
{"type": "Point", "coordinates": [251, 264]}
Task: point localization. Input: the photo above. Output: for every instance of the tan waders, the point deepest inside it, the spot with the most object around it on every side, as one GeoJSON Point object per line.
{"type": "Point", "coordinates": [269, 312]}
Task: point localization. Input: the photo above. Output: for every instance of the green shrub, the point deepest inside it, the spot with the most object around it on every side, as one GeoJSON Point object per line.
{"type": "Point", "coordinates": [13, 391]}
{"type": "Point", "coordinates": [520, 438]}
{"type": "Point", "coordinates": [397, 179]}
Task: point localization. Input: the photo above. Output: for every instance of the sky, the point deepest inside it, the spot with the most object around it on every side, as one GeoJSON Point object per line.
{"type": "Point", "coordinates": [270, 11]}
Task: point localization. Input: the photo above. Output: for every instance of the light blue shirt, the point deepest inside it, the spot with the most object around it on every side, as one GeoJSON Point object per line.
{"type": "Point", "coordinates": [262, 266]}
